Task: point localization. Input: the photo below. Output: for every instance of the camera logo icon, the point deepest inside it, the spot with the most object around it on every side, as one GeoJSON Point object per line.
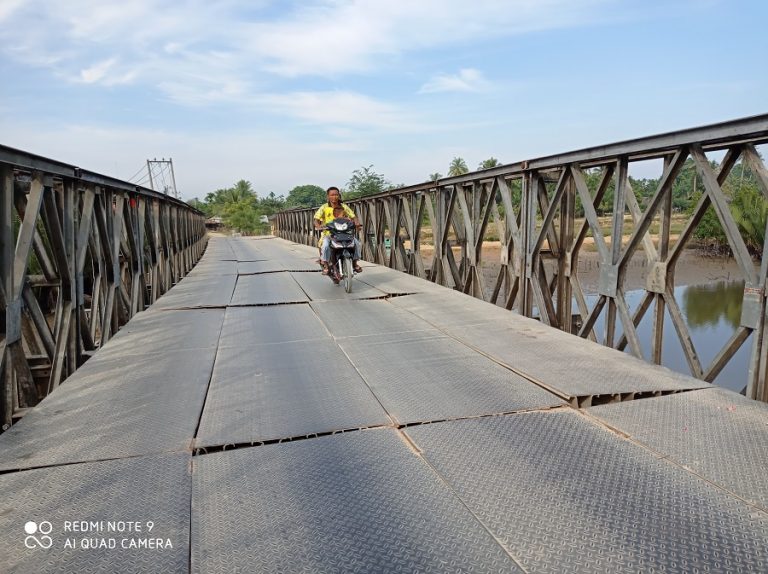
{"type": "Point", "coordinates": [37, 534]}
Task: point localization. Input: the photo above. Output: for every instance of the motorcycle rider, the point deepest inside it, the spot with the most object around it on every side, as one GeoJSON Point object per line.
{"type": "Point", "coordinates": [326, 213]}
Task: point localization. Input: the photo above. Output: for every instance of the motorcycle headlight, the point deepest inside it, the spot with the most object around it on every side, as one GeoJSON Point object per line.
{"type": "Point", "coordinates": [340, 226]}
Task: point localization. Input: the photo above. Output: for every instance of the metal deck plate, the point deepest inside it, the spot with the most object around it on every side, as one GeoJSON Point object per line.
{"type": "Point", "coordinates": [352, 319]}
{"type": "Point", "coordinates": [249, 326]}
{"type": "Point", "coordinates": [207, 267]}
{"type": "Point", "coordinates": [198, 292]}
{"type": "Point", "coordinates": [320, 288]}
{"type": "Point", "coordinates": [219, 249]}
{"type": "Point", "coordinates": [147, 489]}
{"type": "Point", "coordinates": [394, 282]}
{"type": "Point", "coordinates": [564, 495]}
{"type": "Point", "coordinates": [715, 433]}
{"type": "Point", "coordinates": [171, 330]}
{"type": "Point", "coordinates": [246, 250]}
{"type": "Point", "coordinates": [285, 390]}
{"type": "Point", "coordinates": [358, 502]}
{"type": "Point", "coordinates": [447, 308]}
{"type": "Point", "coordinates": [254, 267]}
{"type": "Point", "coordinates": [267, 289]}
{"type": "Point", "coordinates": [112, 407]}
{"type": "Point", "coordinates": [569, 364]}
{"type": "Point", "coordinates": [424, 376]}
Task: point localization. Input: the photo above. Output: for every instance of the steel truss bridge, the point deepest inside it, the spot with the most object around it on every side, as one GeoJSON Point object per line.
{"type": "Point", "coordinates": [541, 238]}
{"type": "Point", "coordinates": [80, 254]}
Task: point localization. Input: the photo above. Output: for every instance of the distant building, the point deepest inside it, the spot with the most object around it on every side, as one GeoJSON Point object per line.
{"type": "Point", "coordinates": [213, 222]}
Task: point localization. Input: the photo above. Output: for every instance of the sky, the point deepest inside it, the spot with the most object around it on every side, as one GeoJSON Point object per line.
{"type": "Point", "coordinates": [284, 93]}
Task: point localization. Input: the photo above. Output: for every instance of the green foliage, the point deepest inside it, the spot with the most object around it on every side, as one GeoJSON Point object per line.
{"type": "Point", "coordinates": [458, 167]}
{"type": "Point", "coordinates": [365, 181]}
{"type": "Point", "coordinates": [240, 208]}
{"type": "Point", "coordinates": [489, 163]}
{"type": "Point", "coordinates": [435, 176]}
{"type": "Point", "coordinates": [305, 196]}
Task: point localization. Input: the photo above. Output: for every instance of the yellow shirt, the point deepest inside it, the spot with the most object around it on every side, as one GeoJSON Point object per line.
{"type": "Point", "coordinates": [325, 215]}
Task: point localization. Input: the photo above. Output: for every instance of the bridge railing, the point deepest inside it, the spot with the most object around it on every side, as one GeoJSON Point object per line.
{"type": "Point", "coordinates": [532, 205]}
{"type": "Point", "coordinates": [80, 254]}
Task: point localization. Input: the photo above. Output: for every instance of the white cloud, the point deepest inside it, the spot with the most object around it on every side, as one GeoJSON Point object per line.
{"type": "Point", "coordinates": [467, 80]}
{"type": "Point", "coordinates": [314, 38]}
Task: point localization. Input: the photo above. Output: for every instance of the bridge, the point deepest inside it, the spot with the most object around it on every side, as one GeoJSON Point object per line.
{"type": "Point", "coordinates": [255, 417]}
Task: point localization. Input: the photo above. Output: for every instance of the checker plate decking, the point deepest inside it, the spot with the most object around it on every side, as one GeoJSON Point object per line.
{"type": "Point", "coordinates": [716, 433]}
{"type": "Point", "coordinates": [564, 495]}
{"type": "Point", "coordinates": [359, 502]}
{"type": "Point", "coordinates": [146, 489]}
{"type": "Point", "coordinates": [284, 390]}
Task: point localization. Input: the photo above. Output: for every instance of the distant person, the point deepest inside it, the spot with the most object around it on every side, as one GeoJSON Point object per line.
{"type": "Point", "coordinates": [326, 213]}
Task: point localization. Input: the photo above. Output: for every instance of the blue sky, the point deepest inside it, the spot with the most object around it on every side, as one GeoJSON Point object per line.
{"type": "Point", "coordinates": [285, 93]}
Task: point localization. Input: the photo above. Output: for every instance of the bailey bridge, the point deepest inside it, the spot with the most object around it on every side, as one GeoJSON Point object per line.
{"type": "Point", "coordinates": [216, 405]}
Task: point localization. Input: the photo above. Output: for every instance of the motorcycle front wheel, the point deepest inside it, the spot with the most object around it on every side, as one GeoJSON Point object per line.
{"type": "Point", "coordinates": [348, 275]}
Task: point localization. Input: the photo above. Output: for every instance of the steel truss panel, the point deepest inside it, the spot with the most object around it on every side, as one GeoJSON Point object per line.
{"type": "Point", "coordinates": [564, 495]}
{"type": "Point", "coordinates": [172, 330]}
{"type": "Point", "coordinates": [267, 289]}
{"type": "Point", "coordinates": [716, 434]}
{"type": "Point", "coordinates": [358, 502]}
{"type": "Point", "coordinates": [353, 319]}
{"type": "Point", "coordinates": [295, 389]}
{"type": "Point", "coordinates": [199, 292]}
{"type": "Point", "coordinates": [427, 376]}
{"type": "Point", "coordinates": [540, 212]}
{"type": "Point", "coordinates": [320, 288]}
{"type": "Point", "coordinates": [112, 407]}
{"type": "Point", "coordinates": [249, 326]}
{"type": "Point", "coordinates": [152, 489]}
{"type": "Point", "coordinates": [572, 367]}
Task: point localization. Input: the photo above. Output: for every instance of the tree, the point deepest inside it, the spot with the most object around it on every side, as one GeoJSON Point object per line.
{"type": "Point", "coordinates": [305, 196]}
{"type": "Point", "coordinates": [488, 163]}
{"type": "Point", "coordinates": [365, 181]}
{"type": "Point", "coordinates": [458, 167]}
{"type": "Point", "coordinates": [435, 176]}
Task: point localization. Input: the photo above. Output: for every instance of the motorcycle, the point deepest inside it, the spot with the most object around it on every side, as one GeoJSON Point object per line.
{"type": "Point", "coordinates": [340, 267]}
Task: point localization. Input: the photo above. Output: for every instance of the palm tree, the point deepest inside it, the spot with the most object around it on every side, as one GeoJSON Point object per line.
{"type": "Point", "coordinates": [435, 176]}
{"type": "Point", "coordinates": [489, 163]}
{"type": "Point", "coordinates": [458, 167]}
{"type": "Point", "coordinates": [242, 190]}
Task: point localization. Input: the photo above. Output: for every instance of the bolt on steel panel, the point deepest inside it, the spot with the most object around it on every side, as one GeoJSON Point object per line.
{"type": "Point", "coordinates": [169, 330]}
{"type": "Point", "coordinates": [352, 319]}
{"type": "Point", "coordinates": [58, 500]}
{"type": "Point", "coordinates": [198, 292]}
{"type": "Point", "coordinates": [714, 433]}
{"type": "Point", "coordinates": [569, 365]}
{"type": "Point", "coordinates": [320, 288]}
{"type": "Point", "coordinates": [112, 407]}
{"type": "Point", "coordinates": [284, 390]}
{"type": "Point", "coordinates": [425, 376]}
{"type": "Point", "coordinates": [565, 495]}
{"type": "Point", "coordinates": [267, 289]}
{"type": "Point", "coordinates": [249, 326]}
{"type": "Point", "coordinates": [357, 502]}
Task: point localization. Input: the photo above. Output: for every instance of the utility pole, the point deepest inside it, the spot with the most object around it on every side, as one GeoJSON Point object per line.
{"type": "Point", "coordinates": [161, 173]}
